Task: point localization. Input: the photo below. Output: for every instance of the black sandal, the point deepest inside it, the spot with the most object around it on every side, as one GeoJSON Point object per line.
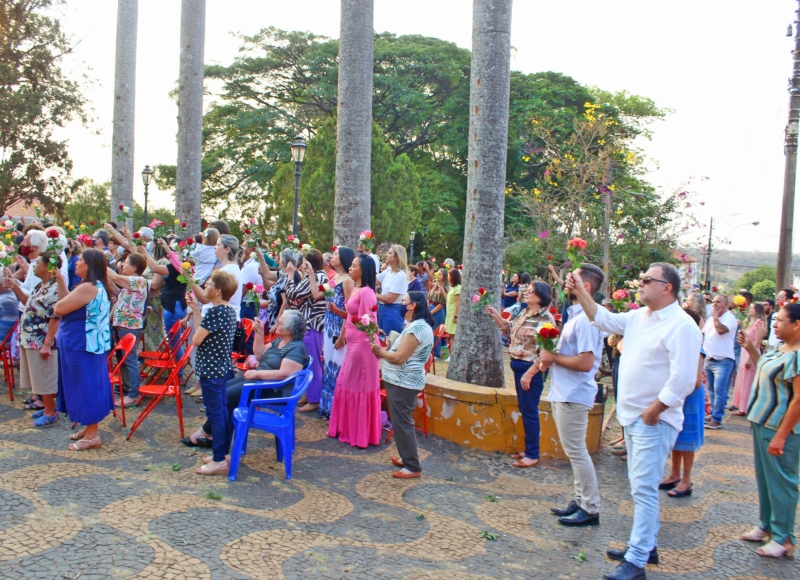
{"type": "Point", "coordinates": [34, 406]}
{"type": "Point", "coordinates": [685, 493]}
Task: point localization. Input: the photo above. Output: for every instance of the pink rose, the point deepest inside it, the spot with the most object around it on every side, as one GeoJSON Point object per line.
{"type": "Point", "coordinates": [475, 298]}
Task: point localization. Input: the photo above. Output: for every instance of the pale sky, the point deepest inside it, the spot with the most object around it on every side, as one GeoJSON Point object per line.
{"type": "Point", "coordinates": [722, 66]}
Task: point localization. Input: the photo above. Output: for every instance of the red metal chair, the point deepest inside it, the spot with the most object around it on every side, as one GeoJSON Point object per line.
{"type": "Point", "coordinates": [171, 388]}
{"type": "Point", "coordinates": [421, 395]}
{"type": "Point", "coordinates": [439, 335]}
{"type": "Point", "coordinates": [8, 363]}
{"type": "Point", "coordinates": [163, 350]}
{"type": "Point", "coordinates": [152, 369]}
{"type": "Point", "coordinates": [125, 346]}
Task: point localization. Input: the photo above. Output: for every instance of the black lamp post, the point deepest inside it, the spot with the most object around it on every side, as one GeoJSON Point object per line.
{"type": "Point", "coordinates": [411, 237]}
{"type": "Point", "coordinates": [147, 177]}
{"type": "Point", "coordinates": [298, 152]}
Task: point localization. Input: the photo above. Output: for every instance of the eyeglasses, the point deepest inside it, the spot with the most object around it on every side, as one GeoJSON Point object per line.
{"type": "Point", "coordinates": [647, 279]}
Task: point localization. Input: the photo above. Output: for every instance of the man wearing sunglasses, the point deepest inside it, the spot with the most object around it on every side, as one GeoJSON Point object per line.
{"type": "Point", "coordinates": [658, 371]}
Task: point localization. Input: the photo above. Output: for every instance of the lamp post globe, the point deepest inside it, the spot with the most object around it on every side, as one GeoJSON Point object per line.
{"type": "Point", "coordinates": [411, 238]}
{"type": "Point", "coordinates": [298, 149]}
{"type": "Point", "coordinates": [147, 178]}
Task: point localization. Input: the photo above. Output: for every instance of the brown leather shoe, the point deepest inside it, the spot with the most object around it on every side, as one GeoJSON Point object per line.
{"type": "Point", "coordinates": [410, 475]}
{"type": "Point", "coordinates": [398, 462]}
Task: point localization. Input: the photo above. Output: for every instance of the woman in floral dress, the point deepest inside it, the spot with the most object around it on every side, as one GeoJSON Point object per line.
{"type": "Point", "coordinates": [334, 346]}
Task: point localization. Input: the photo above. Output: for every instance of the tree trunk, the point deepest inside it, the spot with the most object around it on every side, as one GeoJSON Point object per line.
{"type": "Point", "coordinates": [477, 356]}
{"type": "Point", "coordinates": [188, 181]}
{"type": "Point", "coordinates": [354, 130]}
{"type": "Point", "coordinates": [124, 106]}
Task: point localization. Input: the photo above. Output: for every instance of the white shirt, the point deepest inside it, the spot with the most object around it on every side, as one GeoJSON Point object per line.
{"type": "Point", "coordinates": [251, 273]}
{"type": "Point", "coordinates": [204, 260]}
{"type": "Point", "coordinates": [236, 299]}
{"type": "Point", "coordinates": [772, 340]}
{"type": "Point", "coordinates": [377, 259]}
{"type": "Point", "coordinates": [396, 282]}
{"type": "Point", "coordinates": [567, 385]}
{"type": "Point", "coordinates": [662, 350]}
{"type": "Point", "coordinates": [708, 311]}
{"type": "Point", "coordinates": [719, 346]}
{"type": "Point", "coordinates": [31, 280]}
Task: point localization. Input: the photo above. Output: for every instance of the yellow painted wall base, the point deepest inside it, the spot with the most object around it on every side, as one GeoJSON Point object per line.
{"type": "Point", "coordinates": [489, 419]}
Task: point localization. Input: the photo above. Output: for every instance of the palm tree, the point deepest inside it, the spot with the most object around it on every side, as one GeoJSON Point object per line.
{"type": "Point", "coordinates": [190, 113]}
{"type": "Point", "coordinates": [477, 353]}
{"type": "Point", "coordinates": [124, 105]}
{"type": "Point", "coordinates": [354, 130]}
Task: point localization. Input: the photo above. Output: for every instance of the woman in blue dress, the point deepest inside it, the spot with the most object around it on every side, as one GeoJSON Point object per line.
{"type": "Point", "coordinates": [84, 339]}
{"type": "Point", "coordinates": [334, 346]}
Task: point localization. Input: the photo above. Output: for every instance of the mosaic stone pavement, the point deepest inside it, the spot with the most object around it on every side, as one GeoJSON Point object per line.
{"type": "Point", "coordinates": [137, 510]}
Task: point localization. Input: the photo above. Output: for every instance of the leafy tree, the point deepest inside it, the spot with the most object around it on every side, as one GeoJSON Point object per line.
{"type": "Point", "coordinates": [763, 290]}
{"type": "Point", "coordinates": [36, 98]}
{"type": "Point", "coordinates": [749, 279]}
{"type": "Point", "coordinates": [395, 191]}
{"type": "Point", "coordinates": [89, 202]}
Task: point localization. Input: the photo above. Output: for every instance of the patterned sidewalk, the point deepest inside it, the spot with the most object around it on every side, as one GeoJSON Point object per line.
{"type": "Point", "coordinates": [137, 510]}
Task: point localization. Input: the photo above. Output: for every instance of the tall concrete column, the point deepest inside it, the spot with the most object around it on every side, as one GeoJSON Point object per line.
{"type": "Point", "coordinates": [190, 113]}
{"type": "Point", "coordinates": [124, 106]}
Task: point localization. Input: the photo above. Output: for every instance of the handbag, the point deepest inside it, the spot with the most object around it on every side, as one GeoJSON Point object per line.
{"type": "Point", "coordinates": [239, 339]}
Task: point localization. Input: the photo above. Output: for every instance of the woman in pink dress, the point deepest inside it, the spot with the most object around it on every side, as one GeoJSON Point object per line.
{"type": "Point", "coordinates": [356, 412]}
{"type": "Point", "coordinates": [754, 327]}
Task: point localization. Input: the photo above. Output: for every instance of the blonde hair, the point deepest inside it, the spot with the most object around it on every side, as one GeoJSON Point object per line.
{"type": "Point", "coordinates": [210, 237]}
{"type": "Point", "coordinates": [698, 304]}
{"type": "Point", "coordinates": [402, 259]}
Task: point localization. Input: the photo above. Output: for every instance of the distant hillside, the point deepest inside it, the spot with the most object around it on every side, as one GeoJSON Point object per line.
{"type": "Point", "coordinates": [727, 266]}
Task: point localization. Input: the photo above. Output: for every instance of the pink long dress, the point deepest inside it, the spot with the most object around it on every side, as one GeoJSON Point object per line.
{"type": "Point", "coordinates": [745, 376]}
{"type": "Point", "coordinates": [356, 412]}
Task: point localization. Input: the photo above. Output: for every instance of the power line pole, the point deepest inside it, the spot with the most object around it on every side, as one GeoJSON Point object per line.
{"type": "Point", "coordinates": [790, 170]}
{"type": "Point", "coordinates": [708, 255]}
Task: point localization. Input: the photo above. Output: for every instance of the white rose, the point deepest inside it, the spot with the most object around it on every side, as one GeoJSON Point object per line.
{"type": "Point", "coordinates": [3, 255]}
{"type": "Point", "coordinates": [362, 237]}
{"type": "Point", "coordinates": [125, 208]}
{"type": "Point", "coordinates": [9, 223]}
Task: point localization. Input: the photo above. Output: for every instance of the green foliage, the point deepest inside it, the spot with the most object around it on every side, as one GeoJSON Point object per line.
{"type": "Point", "coordinates": [763, 290]}
{"type": "Point", "coordinates": [36, 98]}
{"type": "Point", "coordinates": [395, 191]}
{"type": "Point", "coordinates": [749, 279]}
{"type": "Point", "coordinates": [89, 202]}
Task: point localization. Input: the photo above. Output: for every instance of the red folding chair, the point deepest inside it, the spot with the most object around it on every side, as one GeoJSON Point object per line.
{"type": "Point", "coordinates": [439, 335]}
{"type": "Point", "coordinates": [152, 369]}
{"type": "Point", "coordinates": [163, 349]}
{"type": "Point", "coordinates": [421, 395]}
{"type": "Point", "coordinates": [8, 363]}
{"type": "Point", "coordinates": [171, 388]}
{"type": "Point", "coordinates": [125, 346]}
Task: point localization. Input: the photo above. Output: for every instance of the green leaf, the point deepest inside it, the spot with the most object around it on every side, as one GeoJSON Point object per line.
{"type": "Point", "coordinates": [176, 467]}
{"type": "Point", "coordinates": [492, 498]}
{"type": "Point", "coordinates": [580, 556]}
{"type": "Point", "coordinates": [213, 495]}
{"type": "Point", "coordinates": [489, 535]}
{"type": "Point", "coordinates": [421, 517]}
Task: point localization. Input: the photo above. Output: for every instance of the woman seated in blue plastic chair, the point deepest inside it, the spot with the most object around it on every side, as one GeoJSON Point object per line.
{"type": "Point", "coordinates": [282, 358]}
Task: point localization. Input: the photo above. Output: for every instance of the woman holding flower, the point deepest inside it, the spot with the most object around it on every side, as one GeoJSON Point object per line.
{"type": "Point", "coordinates": [755, 328]}
{"type": "Point", "coordinates": [523, 349]}
{"type": "Point", "coordinates": [356, 413]}
{"type": "Point", "coordinates": [335, 345]}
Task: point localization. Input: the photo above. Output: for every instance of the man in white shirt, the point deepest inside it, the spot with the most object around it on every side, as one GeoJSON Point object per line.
{"type": "Point", "coordinates": [769, 310]}
{"type": "Point", "coordinates": [719, 335]}
{"type": "Point", "coordinates": [375, 257]}
{"type": "Point", "coordinates": [708, 298]}
{"type": "Point", "coordinates": [656, 374]}
{"type": "Point", "coordinates": [572, 394]}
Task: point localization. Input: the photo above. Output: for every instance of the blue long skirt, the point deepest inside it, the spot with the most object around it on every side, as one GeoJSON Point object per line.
{"type": "Point", "coordinates": [84, 389]}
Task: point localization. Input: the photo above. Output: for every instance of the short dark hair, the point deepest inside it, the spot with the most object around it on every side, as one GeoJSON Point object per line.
{"type": "Point", "coordinates": [747, 296]}
{"type": "Point", "coordinates": [593, 275]}
{"type": "Point", "coordinates": [542, 290]}
{"type": "Point", "coordinates": [314, 257]}
{"type": "Point", "coordinates": [789, 293]}
{"type": "Point", "coordinates": [421, 309]}
{"type": "Point", "coordinates": [792, 311]}
{"type": "Point", "coordinates": [671, 275]}
{"type": "Point", "coordinates": [221, 226]}
{"type": "Point", "coordinates": [225, 282]}
{"type": "Point", "coordinates": [455, 276]}
{"type": "Point", "coordinates": [770, 301]}
{"type": "Point", "coordinates": [138, 261]}
{"type": "Point", "coordinates": [695, 316]}
{"type": "Point", "coordinates": [103, 235]}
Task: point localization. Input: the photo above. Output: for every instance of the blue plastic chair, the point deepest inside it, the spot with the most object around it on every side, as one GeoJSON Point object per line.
{"type": "Point", "coordinates": [275, 416]}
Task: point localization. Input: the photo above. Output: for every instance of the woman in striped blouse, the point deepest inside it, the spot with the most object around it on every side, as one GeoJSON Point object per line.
{"type": "Point", "coordinates": [308, 297]}
{"type": "Point", "coordinates": [774, 412]}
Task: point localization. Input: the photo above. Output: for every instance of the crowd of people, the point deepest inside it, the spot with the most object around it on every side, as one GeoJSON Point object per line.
{"type": "Point", "coordinates": [359, 322]}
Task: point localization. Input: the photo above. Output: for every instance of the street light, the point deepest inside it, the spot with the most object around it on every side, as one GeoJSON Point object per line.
{"type": "Point", "coordinates": [147, 177]}
{"type": "Point", "coordinates": [411, 237]}
{"type": "Point", "coordinates": [298, 152]}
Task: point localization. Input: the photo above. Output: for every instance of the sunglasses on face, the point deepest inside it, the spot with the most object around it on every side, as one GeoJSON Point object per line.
{"type": "Point", "coordinates": [647, 279]}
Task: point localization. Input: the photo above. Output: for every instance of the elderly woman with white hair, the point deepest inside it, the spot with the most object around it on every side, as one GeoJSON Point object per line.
{"type": "Point", "coordinates": [278, 360]}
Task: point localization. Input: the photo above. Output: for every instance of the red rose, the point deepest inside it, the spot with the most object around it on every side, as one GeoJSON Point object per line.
{"type": "Point", "coordinates": [183, 224]}
{"type": "Point", "coordinates": [181, 244]}
{"type": "Point", "coordinates": [205, 224]}
{"type": "Point", "coordinates": [121, 207]}
{"type": "Point", "coordinates": [247, 232]}
{"type": "Point", "coordinates": [460, 267]}
{"type": "Point", "coordinates": [549, 257]}
{"type": "Point", "coordinates": [321, 288]}
{"type": "Point", "coordinates": [248, 286]}
{"type": "Point", "coordinates": [91, 223]}
{"type": "Point", "coordinates": [334, 248]}
{"type": "Point", "coordinates": [355, 320]}
{"type": "Point", "coordinates": [481, 291]}
{"type": "Point", "coordinates": [136, 235]}
{"type": "Point", "coordinates": [52, 234]}
{"type": "Point", "coordinates": [553, 310]}
{"type": "Point", "coordinates": [374, 308]}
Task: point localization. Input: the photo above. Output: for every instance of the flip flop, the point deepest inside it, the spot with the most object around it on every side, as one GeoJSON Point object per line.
{"type": "Point", "coordinates": [525, 465]}
{"type": "Point", "coordinates": [519, 455]}
{"type": "Point", "coordinates": [84, 444]}
{"type": "Point", "coordinates": [34, 406]}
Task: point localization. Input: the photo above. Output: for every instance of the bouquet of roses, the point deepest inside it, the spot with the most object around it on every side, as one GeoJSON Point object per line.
{"type": "Point", "coordinates": [481, 300]}
{"type": "Point", "coordinates": [136, 239]}
{"type": "Point", "coordinates": [254, 292]}
{"type": "Point", "coordinates": [367, 323]}
{"type": "Point", "coordinates": [178, 226]}
{"type": "Point", "coordinates": [327, 290]}
{"type": "Point", "coordinates": [85, 239]}
{"type": "Point", "coordinates": [70, 230]}
{"type": "Point", "coordinates": [574, 253]}
{"type": "Point", "coordinates": [547, 337]}
{"type": "Point", "coordinates": [620, 299]}
{"type": "Point", "coordinates": [187, 275]}
{"type": "Point", "coordinates": [124, 214]}
{"type": "Point", "coordinates": [159, 229]}
{"type": "Point", "coordinates": [740, 310]}
{"type": "Point", "coordinates": [367, 239]}
{"type": "Point", "coordinates": [7, 255]}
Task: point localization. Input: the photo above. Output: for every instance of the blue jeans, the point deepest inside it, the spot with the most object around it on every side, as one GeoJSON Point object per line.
{"type": "Point", "coordinates": [130, 369]}
{"type": "Point", "coordinates": [438, 320]}
{"type": "Point", "coordinates": [718, 374]}
{"type": "Point", "coordinates": [170, 318]}
{"type": "Point", "coordinates": [389, 318]}
{"type": "Point", "coordinates": [648, 448]}
{"type": "Point", "coordinates": [528, 402]}
{"type": "Point", "coordinates": [215, 399]}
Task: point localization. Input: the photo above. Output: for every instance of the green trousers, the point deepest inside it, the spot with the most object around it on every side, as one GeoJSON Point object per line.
{"type": "Point", "coordinates": [777, 478]}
